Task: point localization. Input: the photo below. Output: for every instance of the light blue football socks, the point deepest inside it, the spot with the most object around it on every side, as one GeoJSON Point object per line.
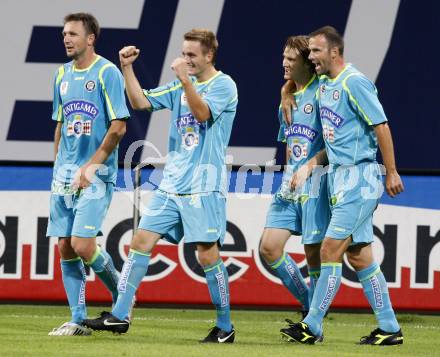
{"type": "Point", "coordinates": [217, 279]}
{"type": "Point", "coordinates": [102, 265]}
{"type": "Point", "coordinates": [133, 272]}
{"type": "Point", "coordinates": [325, 291]}
{"type": "Point", "coordinates": [376, 291]}
{"type": "Point", "coordinates": [314, 276]}
{"type": "Point", "coordinates": [291, 276]}
{"type": "Point", "coordinates": [74, 280]}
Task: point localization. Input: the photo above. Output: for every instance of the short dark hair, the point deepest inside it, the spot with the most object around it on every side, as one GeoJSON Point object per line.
{"type": "Point", "coordinates": [301, 43]}
{"type": "Point", "coordinates": [207, 40]}
{"type": "Point", "coordinates": [332, 36]}
{"type": "Point", "coordinates": [89, 21]}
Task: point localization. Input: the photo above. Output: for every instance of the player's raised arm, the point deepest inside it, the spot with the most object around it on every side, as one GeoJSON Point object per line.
{"type": "Point", "coordinates": [393, 182]}
{"type": "Point", "coordinates": [135, 94]}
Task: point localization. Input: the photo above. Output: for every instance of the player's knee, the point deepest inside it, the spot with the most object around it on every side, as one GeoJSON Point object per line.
{"type": "Point", "coordinates": [313, 255]}
{"type": "Point", "coordinates": [83, 249]}
{"type": "Point", "coordinates": [327, 254]}
{"type": "Point", "coordinates": [144, 241]}
{"type": "Point", "coordinates": [268, 251]}
{"type": "Point", "coordinates": [65, 248]}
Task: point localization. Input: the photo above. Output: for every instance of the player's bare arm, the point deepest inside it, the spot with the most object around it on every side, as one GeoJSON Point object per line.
{"type": "Point", "coordinates": [393, 182]}
{"type": "Point", "coordinates": [198, 106]}
{"type": "Point", "coordinates": [85, 174]}
{"type": "Point", "coordinates": [57, 138]}
{"type": "Point", "coordinates": [288, 102]}
{"type": "Point", "coordinates": [135, 94]}
{"type": "Point", "coordinates": [303, 173]}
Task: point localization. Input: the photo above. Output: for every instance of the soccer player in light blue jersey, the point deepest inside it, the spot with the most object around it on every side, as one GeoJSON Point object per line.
{"type": "Point", "coordinates": [90, 110]}
{"type": "Point", "coordinates": [354, 125]}
{"type": "Point", "coordinates": [191, 198]}
{"type": "Point", "coordinates": [305, 209]}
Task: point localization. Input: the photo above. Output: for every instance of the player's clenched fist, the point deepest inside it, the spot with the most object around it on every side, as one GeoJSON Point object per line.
{"type": "Point", "coordinates": [180, 67]}
{"type": "Point", "coordinates": [128, 55]}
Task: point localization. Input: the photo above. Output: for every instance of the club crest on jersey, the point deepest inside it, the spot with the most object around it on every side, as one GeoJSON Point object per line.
{"type": "Point", "coordinates": [308, 108]}
{"type": "Point", "coordinates": [299, 151]}
{"type": "Point", "coordinates": [331, 116]}
{"type": "Point", "coordinates": [90, 86]}
{"type": "Point", "coordinates": [80, 107]}
{"type": "Point", "coordinates": [301, 130]}
{"type": "Point", "coordinates": [336, 94]}
{"type": "Point", "coordinates": [189, 129]}
{"type": "Point", "coordinates": [63, 88]}
{"type": "Point", "coordinates": [78, 127]}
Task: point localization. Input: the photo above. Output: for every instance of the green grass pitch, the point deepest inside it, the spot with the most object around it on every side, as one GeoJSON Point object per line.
{"type": "Point", "coordinates": [175, 332]}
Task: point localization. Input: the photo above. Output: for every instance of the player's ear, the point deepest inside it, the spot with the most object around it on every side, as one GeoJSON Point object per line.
{"type": "Point", "coordinates": [91, 39]}
{"type": "Point", "coordinates": [209, 56]}
{"type": "Point", "coordinates": [334, 52]}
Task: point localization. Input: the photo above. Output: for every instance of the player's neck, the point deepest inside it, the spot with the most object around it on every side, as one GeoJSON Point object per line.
{"type": "Point", "coordinates": [85, 60]}
{"type": "Point", "coordinates": [207, 74]}
{"type": "Point", "coordinates": [337, 68]}
{"type": "Point", "coordinates": [302, 80]}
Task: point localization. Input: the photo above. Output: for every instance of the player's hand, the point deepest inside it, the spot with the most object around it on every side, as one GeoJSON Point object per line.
{"type": "Point", "coordinates": [393, 184]}
{"type": "Point", "coordinates": [180, 67]}
{"type": "Point", "coordinates": [299, 177]}
{"type": "Point", "coordinates": [128, 55]}
{"type": "Point", "coordinates": [83, 177]}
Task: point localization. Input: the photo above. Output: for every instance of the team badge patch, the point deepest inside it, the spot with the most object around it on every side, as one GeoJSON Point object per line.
{"type": "Point", "coordinates": [78, 127]}
{"type": "Point", "coordinates": [189, 128]}
{"type": "Point", "coordinates": [336, 94]}
{"type": "Point", "coordinates": [63, 88]}
{"type": "Point", "coordinates": [308, 108]}
{"type": "Point", "coordinates": [190, 139]}
{"type": "Point", "coordinates": [90, 86]}
{"type": "Point", "coordinates": [299, 151]}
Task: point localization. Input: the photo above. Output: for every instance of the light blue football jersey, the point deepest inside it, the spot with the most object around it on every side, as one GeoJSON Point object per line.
{"type": "Point", "coordinates": [304, 136]}
{"type": "Point", "coordinates": [196, 151]}
{"type": "Point", "coordinates": [86, 101]}
{"type": "Point", "coordinates": [349, 107]}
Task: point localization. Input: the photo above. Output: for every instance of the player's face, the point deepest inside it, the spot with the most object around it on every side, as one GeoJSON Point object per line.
{"type": "Point", "coordinates": [320, 54]}
{"type": "Point", "coordinates": [293, 63]}
{"type": "Point", "coordinates": [196, 60]}
{"type": "Point", "coordinates": [76, 40]}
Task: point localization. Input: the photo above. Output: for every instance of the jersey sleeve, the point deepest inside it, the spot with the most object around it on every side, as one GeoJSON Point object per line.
{"type": "Point", "coordinates": [221, 96]}
{"type": "Point", "coordinates": [281, 132]}
{"type": "Point", "coordinates": [163, 97]}
{"type": "Point", "coordinates": [112, 86]}
{"type": "Point", "coordinates": [363, 95]}
{"type": "Point", "coordinates": [57, 109]}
